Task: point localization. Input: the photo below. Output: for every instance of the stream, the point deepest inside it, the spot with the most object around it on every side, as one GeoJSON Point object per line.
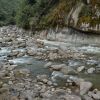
{"type": "Point", "coordinates": [92, 51]}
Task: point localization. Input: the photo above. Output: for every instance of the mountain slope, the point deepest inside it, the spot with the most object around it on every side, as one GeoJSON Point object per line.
{"type": "Point", "coordinates": [7, 11]}
{"type": "Point", "coordinates": [43, 14]}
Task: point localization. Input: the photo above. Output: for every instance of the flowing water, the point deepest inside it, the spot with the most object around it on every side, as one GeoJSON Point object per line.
{"type": "Point", "coordinates": [36, 66]}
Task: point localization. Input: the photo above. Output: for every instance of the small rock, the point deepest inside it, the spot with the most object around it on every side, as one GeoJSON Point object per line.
{"type": "Point", "coordinates": [14, 98]}
{"type": "Point", "coordinates": [48, 65]}
{"type": "Point", "coordinates": [49, 83]}
{"type": "Point", "coordinates": [79, 69]}
{"type": "Point", "coordinates": [10, 82]}
{"type": "Point", "coordinates": [56, 67]}
{"type": "Point", "coordinates": [1, 84]}
{"type": "Point", "coordinates": [45, 81]}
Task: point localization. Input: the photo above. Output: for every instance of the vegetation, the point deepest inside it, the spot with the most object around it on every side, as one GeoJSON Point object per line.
{"type": "Point", "coordinates": [41, 14]}
{"type": "Point", "coordinates": [7, 11]}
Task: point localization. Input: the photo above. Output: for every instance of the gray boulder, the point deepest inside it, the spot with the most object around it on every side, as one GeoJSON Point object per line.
{"type": "Point", "coordinates": [85, 87]}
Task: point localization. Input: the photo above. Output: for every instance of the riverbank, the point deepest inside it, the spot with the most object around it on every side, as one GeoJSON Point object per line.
{"type": "Point", "coordinates": [43, 69]}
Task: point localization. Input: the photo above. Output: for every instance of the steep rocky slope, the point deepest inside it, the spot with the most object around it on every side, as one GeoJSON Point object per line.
{"type": "Point", "coordinates": [80, 14]}
{"type": "Point", "coordinates": [45, 14]}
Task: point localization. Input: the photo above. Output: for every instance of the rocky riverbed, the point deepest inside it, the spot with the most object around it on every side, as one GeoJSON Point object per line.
{"type": "Point", "coordinates": [32, 68]}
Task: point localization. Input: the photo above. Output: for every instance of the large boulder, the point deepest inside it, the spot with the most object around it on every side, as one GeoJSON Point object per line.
{"type": "Point", "coordinates": [85, 87]}
{"type": "Point", "coordinates": [68, 70]}
{"type": "Point", "coordinates": [63, 68]}
{"type": "Point", "coordinates": [95, 94]}
{"type": "Point", "coordinates": [91, 70]}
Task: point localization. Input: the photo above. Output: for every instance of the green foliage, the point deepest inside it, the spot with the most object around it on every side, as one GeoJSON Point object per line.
{"type": "Point", "coordinates": [41, 14]}
{"type": "Point", "coordinates": [86, 11]}
{"type": "Point", "coordinates": [30, 14]}
{"type": "Point", "coordinates": [23, 14]}
{"type": "Point", "coordinates": [7, 11]}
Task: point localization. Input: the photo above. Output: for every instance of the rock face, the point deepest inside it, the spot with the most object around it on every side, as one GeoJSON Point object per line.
{"type": "Point", "coordinates": [79, 19]}
{"type": "Point", "coordinates": [68, 34]}
{"type": "Point", "coordinates": [78, 15]}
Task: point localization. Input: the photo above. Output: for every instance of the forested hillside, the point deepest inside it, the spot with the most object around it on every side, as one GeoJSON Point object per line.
{"type": "Point", "coordinates": [43, 14]}
{"type": "Point", "coordinates": [7, 11]}
{"type": "Point", "coordinates": [81, 14]}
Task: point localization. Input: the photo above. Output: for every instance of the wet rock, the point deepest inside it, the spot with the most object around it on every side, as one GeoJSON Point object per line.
{"type": "Point", "coordinates": [56, 76]}
{"type": "Point", "coordinates": [57, 67]}
{"type": "Point", "coordinates": [21, 54]}
{"type": "Point", "coordinates": [20, 85]}
{"type": "Point", "coordinates": [86, 97]}
{"type": "Point", "coordinates": [85, 87]}
{"type": "Point", "coordinates": [80, 69]}
{"type": "Point", "coordinates": [29, 95]}
{"type": "Point", "coordinates": [23, 45]}
{"type": "Point", "coordinates": [45, 81]}
{"type": "Point", "coordinates": [10, 82]}
{"type": "Point", "coordinates": [47, 94]}
{"type": "Point", "coordinates": [91, 70]}
{"type": "Point", "coordinates": [48, 65]}
{"type": "Point", "coordinates": [7, 39]}
{"type": "Point", "coordinates": [44, 88]}
{"type": "Point", "coordinates": [31, 52]}
{"type": "Point", "coordinates": [59, 92]}
{"type": "Point", "coordinates": [92, 62]}
{"type": "Point", "coordinates": [68, 70]}
{"type": "Point", "coordinates": [5, 85]}
{"type": "Point", "coordinates": [42, 78]}
{"type": "Point", "coordinates": [1, 84]}
{"type": "Point", "coordinates": [73, 97]}
{"type": "Point", "coordinates": [52, 56]}
{"type": "Point", "coordinates": [14, 98]}
{"type": "Point", "coordinates": [14, 53]}
{"type": "Point", "coordinates": [2, 74]}
{"type": "Point", "coordinates": [1, 40]}
{"type": "Point", "coordinates": [40, 44]}
{"type": "Point", "coordinates": [63, 69]}
{"type": "Point", "coordinates": [22, 73]}
{"type": "Point", "coordinates": [49, 83]}
{"type": "Point", "coordinates": [95, 94]}
{"type": "Point", "coordinates": [3, 90]}
{"type": "Point", "coordinates": [76, 80]}
{"type": "Point", "coordinates": [11, 67]}
{"type": "Point", "coordinates": [62, 95]}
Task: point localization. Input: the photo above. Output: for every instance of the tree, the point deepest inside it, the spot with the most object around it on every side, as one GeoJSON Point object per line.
{"type": "Point", "coordinates": [7, 11]}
